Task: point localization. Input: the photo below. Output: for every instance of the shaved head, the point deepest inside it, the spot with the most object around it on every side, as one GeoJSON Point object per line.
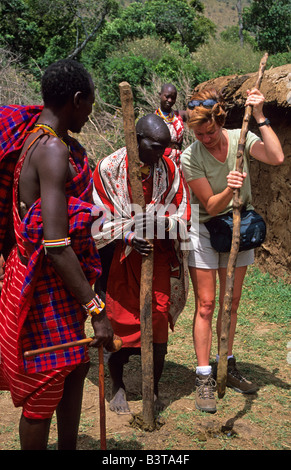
{"type": "Point", "coordinates": [154, 127]}
{"type": "Point", "coordinates": [169, 88]}
{"type": "Point", "coordinates": [153, 137]}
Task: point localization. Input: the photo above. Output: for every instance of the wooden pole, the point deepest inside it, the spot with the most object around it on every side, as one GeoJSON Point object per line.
{"type": "Point", "coordinates": [227, 302]}
{"type": "Point", "coordinates": [147, 262]}
{"type": "Point", "coordinates": [117, 343]}
{"type": "Point", "coordinates": [102, 399]}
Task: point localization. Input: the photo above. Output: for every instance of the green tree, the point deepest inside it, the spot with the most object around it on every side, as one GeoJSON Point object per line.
{"type": "Point", "coordinates": [179, 20]}
{"type": "Point", "coordinates": [138, 61]}
{"type": "Point", "coordinates": [45, 30]}
{"type": "Point", "coordinates": [171, 20]}
{"type": "Point", "coordinates": [18, 27]}
{"type": "Point", "coordinates": [231, 34]}
{"type": "Point", "coordinates": [131, 24]}
{"type": "Point", "coordinates": [133, 69]}
{"type": "Point", "coordinates": [270, 21]}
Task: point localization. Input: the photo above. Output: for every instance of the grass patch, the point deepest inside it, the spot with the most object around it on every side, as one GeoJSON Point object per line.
{"type": "Point", "coordinates": [252, 422]}
{"type": "Point", "coordinates": [267, 297]}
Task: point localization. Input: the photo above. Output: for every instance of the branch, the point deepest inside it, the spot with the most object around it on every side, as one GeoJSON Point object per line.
{"type": "Point", "coordinates": [88, 36]}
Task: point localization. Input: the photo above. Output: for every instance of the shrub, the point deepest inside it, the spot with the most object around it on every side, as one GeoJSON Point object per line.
{"type": "Point", "coordinates": [130, 68]}
{"type": "Point", "coordinates": [220, 57]}
{"type": "Point", "coordinates": [142, 59]}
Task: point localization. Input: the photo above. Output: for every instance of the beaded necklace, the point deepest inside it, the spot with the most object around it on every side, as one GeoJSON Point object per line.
{"type": "Point", "coordinates": [146, 171]}
{"type": "Point", "coordinates": [49, 128]}
{"type": "Point", "coordinates": [53, 132]}
{"type": "Point", "coordinates": [168, 117]}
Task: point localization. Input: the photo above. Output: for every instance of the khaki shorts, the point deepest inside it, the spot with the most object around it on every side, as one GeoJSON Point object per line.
{"type": "Point", "coordinates": [203, 256]}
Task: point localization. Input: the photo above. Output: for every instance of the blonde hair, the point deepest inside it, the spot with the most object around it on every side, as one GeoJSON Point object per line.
{"type": "Point", "coordinates": [200, 115]}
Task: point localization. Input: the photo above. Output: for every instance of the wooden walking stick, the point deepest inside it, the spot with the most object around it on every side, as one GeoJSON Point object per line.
{"type": "Point", "coordinates": [102, 399]}
{"type": "Point", "coordinates": [117, 343]}
{"type": "Point", "coordinates": [227, 302]}
{"type": "Point", "coordinates": [147, 262]}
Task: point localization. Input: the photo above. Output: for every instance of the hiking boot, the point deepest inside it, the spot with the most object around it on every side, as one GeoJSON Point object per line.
{"type": "Point", "coordinates": [205, 388]}
{"type": "Point", "coordinates": [236, 381]}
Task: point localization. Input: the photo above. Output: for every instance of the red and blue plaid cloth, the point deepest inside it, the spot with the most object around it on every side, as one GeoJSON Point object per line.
{"type": "Point", "coordinates": [47, 312]}
{"type": "Point", "coordinates": [14, 122]}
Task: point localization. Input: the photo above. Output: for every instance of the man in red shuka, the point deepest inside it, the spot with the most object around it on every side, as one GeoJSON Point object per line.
{"type": "Point", "coordinates": [51, 261]}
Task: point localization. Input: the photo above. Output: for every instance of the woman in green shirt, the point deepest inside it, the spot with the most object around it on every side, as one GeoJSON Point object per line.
{"type": "Point", "coordinates": [209, 168]}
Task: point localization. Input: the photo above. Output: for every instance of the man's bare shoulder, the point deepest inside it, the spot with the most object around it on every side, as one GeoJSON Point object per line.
{"type": "Point", "coordinates": [50, 154]}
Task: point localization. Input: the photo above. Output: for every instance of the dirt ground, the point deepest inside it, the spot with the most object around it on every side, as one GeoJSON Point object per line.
{"type": "Point", "coordinates": [242, 422]}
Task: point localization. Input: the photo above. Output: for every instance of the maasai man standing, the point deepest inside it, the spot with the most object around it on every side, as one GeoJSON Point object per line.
{"type": "Point", "coordinates": [167, 215]}
{"type": "Point", "coordinates": [51, 261]}
{"type": "Point", "coordinates": [174, 120]}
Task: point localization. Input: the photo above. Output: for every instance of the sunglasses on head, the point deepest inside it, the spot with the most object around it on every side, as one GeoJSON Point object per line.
{"type": "Point", "coordinates": [206, 103]}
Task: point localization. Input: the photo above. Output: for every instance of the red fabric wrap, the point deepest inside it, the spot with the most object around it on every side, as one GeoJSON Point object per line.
{"type": "Point", "coordinates": [36, 309]}
{"type": "Point", "coordinates": [112, 190]}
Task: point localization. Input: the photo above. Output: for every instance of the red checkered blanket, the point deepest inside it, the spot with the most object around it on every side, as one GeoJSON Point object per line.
{"type": "Point", "coordinates": [47, 313]}
{"type": "Point", "coordinates": [14, 122]}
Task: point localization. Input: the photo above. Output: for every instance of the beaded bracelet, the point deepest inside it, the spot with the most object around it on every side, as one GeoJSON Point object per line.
{"type": "Point", "coordinates": [95, 306]}
{"type": "Point", "coordinates": [56, 243]}
{"type": "Point", "coordinates": [128, 237]}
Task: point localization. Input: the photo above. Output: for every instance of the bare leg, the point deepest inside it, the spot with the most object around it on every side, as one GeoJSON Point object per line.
{"type": "Point", "coordinates": [234, 378]}
{"type": "Point", "coordinates": [204, 283]}
{"type": "Point", "coordinates": [159, 360]}
{"type": "Point", "coordinates": [116, 363]}
{"type": "Point", "coordinates": [69, 408]}
{"type": "Point", "coordinates": [34, 433]}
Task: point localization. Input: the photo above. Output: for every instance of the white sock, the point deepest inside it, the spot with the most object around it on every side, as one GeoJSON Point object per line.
{"type": "Point", "coordinates": [203, 370]}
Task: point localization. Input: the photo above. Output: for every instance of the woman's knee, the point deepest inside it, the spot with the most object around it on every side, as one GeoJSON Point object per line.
{"type": "Point", "coordinates": [206, 308]}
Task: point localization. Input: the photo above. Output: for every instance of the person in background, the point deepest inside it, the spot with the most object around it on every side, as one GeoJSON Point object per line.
{"type": "Point", "coordinates": [174, 120]}
{"type": "Point", "coordinates": [209, 168]}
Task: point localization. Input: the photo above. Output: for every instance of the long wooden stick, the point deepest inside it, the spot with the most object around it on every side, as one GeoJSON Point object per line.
{"type": "Point", "coordinates": [227, 302]}
{"type": "Point", "coordinates": [117, 343]}
{"type": "Point", "coordinates": [102, 399]}
{"type": "Point", "coordinates": [147, 262]}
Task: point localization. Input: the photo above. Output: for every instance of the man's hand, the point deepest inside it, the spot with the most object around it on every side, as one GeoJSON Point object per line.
{"type": "Point", "coordinates": [103, 332]}
{"type": "Point", "coordinates": [142, 246]}
{"type": "Point", "coordinates": [148, 226]}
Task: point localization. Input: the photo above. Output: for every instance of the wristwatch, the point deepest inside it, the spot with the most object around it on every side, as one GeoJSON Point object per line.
{"type": "Point", "coordinates": [266, 122]}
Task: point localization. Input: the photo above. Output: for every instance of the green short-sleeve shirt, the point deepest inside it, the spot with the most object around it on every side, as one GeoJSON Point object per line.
{"type": "Point", "coordinates": [197, 162]}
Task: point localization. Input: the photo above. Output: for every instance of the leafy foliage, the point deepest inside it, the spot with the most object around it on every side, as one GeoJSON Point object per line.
{"type": "Point", "coordinates": [270, 21]}
{"type": "Point", "coordinates": [133, 70]}
{"type": "Point", "coordinates": [139, 61]}
{"type": "Point", "coordinates": [177, 20]}
{"type": "Point", "coordinates": [136, 41]}
{"type": "Point", "coordinates": [169, 23]}
{"type": "Point", "coordinates": [42, 31]}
